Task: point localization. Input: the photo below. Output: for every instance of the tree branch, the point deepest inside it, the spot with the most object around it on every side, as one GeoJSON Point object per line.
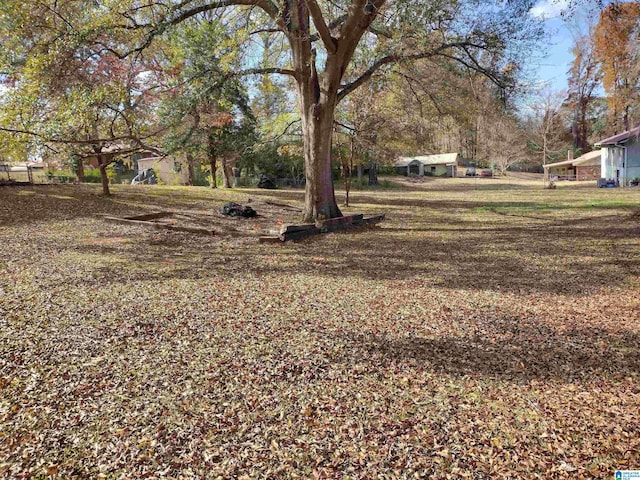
{"type": "Point", "coordinates": [265, 5]}
{"type": "Point", "coordinates": [265, 71]}
{"type": "Point", "coordinates": [89, 141]}
{"type": "Point", "coordinates": [321, 26]}
{"type": "Point", "coordinates": [158, 28]}
{"type": "Point", "coordinates": [361, 15]}
{"type": "Point", "coordinates": [266, 30]}
{"type": "Point", "coordinates": [410, 81]}
{"type": "Point", "coordinates": [475, 66]}
{"type": "Point", "coordinates": [284, 132]}
{"type": "Point", "coordinates": [398, 58]}
{"type": "Point", "coordinates": [353, 130]}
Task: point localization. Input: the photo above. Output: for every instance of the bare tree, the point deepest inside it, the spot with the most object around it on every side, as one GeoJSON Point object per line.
{"type": "Point", "coordinates": [546, 122]}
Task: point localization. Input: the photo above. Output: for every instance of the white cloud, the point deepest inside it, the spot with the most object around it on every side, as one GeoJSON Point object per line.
{"type": "Point", "coordinates": [549, 8]}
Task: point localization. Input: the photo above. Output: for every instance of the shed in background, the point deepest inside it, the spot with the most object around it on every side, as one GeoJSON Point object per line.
{"type": "Point", "coordinates": [439, 165]}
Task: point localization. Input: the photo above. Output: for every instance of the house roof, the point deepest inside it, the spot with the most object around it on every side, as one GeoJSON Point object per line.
{"type": "Point", "coordinates": [620, 138]}
{"type": "Point", "coordinates": [404, 161]}
{"type": "Point", "coordinates": [438, 159]}
{"type": "Point", "coordinates": [558, 164]}
{"type": "Point", "coordinates": [585, 159]}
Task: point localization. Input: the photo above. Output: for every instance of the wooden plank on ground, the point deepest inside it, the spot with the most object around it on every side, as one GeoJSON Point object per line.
{"type": "Point", "coordinates": [299, 234]}
{"type": "Point", "coordinates": [149, 216]}
{"type": "Point", "coordinates": [373, 219]}
{"type": "Point", "coordinates": [346, 220]}
{"type": "Point", "coordinates": [197, 230]}
{"type": "Point", "coordinates": [297, 228]}
{"type": "Point", "coordinates": [161, 226]}
{"type": "Point", "coordinates": [265, 239]}
{"type": "Point", "coordinates": [283, 205]}
{"type": "Point", "coordinates": [128, 221]}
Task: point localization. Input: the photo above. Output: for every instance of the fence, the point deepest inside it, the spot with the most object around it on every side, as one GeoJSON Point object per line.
{"type": "Point", "coordinates": [12, 174]}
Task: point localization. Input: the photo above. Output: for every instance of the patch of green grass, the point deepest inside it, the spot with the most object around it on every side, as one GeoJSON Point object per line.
{"type": "Point", "coordinates": [517, 207]}
{"type": "Point", "coordinates": [619, 203]}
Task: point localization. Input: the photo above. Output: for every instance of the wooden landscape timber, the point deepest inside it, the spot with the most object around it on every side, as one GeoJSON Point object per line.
{"type": "Point", "coordinates": [297, 232]}
{"type": "Point", "coordinates": [147, 220]}
{"type": "Point", "coordinates": [283, 205]}
{"type": "Point", "coordinates": [287, 232]}
{"type": "Point", "coordinates": [337, 223]}
{"type": "Point", "coordinates": [373, 220]}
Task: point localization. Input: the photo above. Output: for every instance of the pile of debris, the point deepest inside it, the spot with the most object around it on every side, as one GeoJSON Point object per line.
{"type": "Point", "coordinates": [232, 209]}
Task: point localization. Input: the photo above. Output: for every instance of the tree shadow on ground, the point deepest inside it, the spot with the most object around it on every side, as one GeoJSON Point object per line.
{"type": "Point", "coordinates": [574, 256]}
{"type": "Point", "coordinates": [507, 348]}
{"type": "Point", "coordinates": [562, 260]}
{"type": "Point", "coordinates": [46, 203]}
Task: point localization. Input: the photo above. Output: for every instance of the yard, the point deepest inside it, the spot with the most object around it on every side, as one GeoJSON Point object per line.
{"type": "Point", "coordinates": [487, 329]}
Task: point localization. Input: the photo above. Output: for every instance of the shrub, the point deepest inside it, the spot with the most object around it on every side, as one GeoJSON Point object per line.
{"type": "Point", "coordinates": [92, 176]}
{"type": "Point", "coordinates": [111, 175]}
{"type": "Point", "coordinates": [64, 178]}
{"type": "Point", "coordinates": [246, 181]}
{"type": "Point", "coordinates": [201, 178]}
{"type": "Point", "coordinates": [387, 169]}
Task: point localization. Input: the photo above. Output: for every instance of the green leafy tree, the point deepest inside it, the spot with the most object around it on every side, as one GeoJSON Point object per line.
{"type": "Point", "coordinates": [321, 39]}
{"type": "Point", "coordinates": [73, 96]}
{"type": "Point", "coordinates": [205, 114]}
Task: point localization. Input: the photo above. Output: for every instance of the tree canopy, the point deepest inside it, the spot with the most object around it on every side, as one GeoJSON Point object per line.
{"type": "Point", "coordinates": [613, 41]}
{"type": "Point", "coordinates": [327, 49]}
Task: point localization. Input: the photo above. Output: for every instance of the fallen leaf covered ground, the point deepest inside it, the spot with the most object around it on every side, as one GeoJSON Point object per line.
{"type": "Point", "coordinates": [487, 329]}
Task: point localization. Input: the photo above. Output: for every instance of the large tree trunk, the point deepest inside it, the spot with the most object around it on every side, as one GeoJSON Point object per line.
{"type": "Point", "coordinates": [103, 176]}
{"type": "Point", "coordinates": [212, 161]}
{"type": "Point", "coordinates": [191, 176]}
{"type": "Point", "coordinates": [317, 133]}
{"type": "Point", "coordinates": [626, 123]}
{"type": "Point", "coordinates": [318, 96]}
{"type": "Point", "coordinates": [227, 174]}
{"type": "Point", "coordinates": [349, 170]}
{"type": "Point", "coordinates": [317, 108]}
{"type": "Point", "coordinates": [80, 170]}
{"type": "Point", "coordinates": [373, 174]}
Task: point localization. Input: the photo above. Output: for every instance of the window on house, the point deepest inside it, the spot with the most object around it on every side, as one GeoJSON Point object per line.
{"type": "Point", "coordinates": [177, 167]}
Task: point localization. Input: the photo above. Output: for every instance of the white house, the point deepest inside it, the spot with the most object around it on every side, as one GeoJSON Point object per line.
{"type": "Point", "coordinates": [440, 165]}
{"type": "Point", "coordinates": [620, 156]}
